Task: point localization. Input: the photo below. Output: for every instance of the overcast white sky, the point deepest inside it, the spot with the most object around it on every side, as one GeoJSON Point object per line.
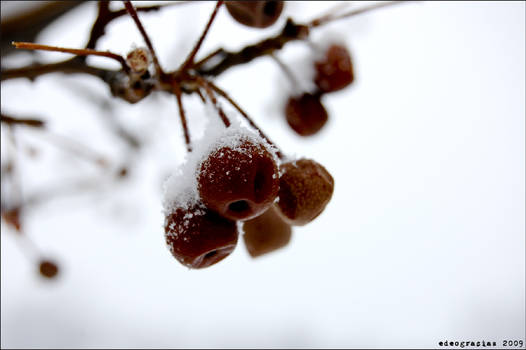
{"type": "Point", "coordinates": [423, 241]}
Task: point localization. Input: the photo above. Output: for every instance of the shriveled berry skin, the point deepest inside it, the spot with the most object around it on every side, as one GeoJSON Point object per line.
{"type": "Point", "coordinates": [239, 183]}
{"type": "Point", "coordinates": [335, 71]}
{"type": "Point", "coordinates": [256, 14]}
{"type": "Point", "coordinates": [266, 233]}
{"type": "Point", "coordinates": [305, 188]}
{"type": "Point", "coordinates": [198, 237]}
{"type": "Point", "coordinates": [305, 114]}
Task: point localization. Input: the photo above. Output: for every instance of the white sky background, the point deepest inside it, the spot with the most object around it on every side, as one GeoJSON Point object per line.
{"type": "Point", "coordinates": [423, 241]}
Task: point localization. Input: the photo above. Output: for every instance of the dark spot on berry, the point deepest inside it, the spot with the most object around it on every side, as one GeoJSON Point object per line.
{"type": "Point", "coordinates": [270, 8]}
{"type": "Point", "coordinates": [239, 207]}
{"type": "Point", "coordinates": [210, 254]}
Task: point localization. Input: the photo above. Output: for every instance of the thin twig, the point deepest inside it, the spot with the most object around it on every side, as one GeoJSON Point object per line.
{"type": "Point", "coordinates": [177, 93]}
{"type": "Point", "coordinates": [78, 52]}
{"type": "Point", "coordinates": [26, 25]}
{"type": "Point", "coordinates": [290, 32]}
{"type": "Point", "coordinates": [98, 29]}
{"type": "Point", "coordinates": [245, 115]}
{"type": "Point", "coordinates": [322, 20]}
{"type": "Point", "coordinates": [70, 66]}
{"type": "Point", "coordinates": [34, 123]}
{"type": "Point", "coordinates": [133, 13]}
{"type": "Point", "coordinates": [288, 73]}
{"type": "Point", "coordinates": [190, 59]}
{"type": "Point", "coordinates": [207, 86]}
{"type": "Point", "coordinates": [105, 16]}
{"type": "Point", "coordinates": [16, 186]}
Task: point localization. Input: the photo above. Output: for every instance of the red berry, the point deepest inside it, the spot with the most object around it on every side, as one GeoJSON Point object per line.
{"type": "Point", "coordinates": [239, 182]}
{"type": "Point", "coordinates": [198, 237]}
{"type": "Point", "coordinates": [256, 14]}
{"type": "Point", "coordinates": [305, 188]}
{"type": "Point", "coordinates": [335, 71]}
{"type": "Point", "coordinates": [266, 233]}
{"type": "Point", "coordinates": [48, 268]}
{"type": "Point", "coordinates": [306, 114]}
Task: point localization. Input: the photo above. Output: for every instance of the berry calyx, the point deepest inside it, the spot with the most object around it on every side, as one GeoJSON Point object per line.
{"type": "Point", "coordinates": [198, 237]}
{"type": "Point", "coordinates": [266, 233]}
{"type": "Point", "coordinates": [306, 114]}
{"type": "Point", "coordinates": [138, 60]}
{"type": "Point", "coordinates": [305, 188]}
{"type": "Point", "coordinates": [335, 71]}
{"type": "Point", "coordinates": [256, 14]}
{"type": "Point", "coordinates": [239, 182]}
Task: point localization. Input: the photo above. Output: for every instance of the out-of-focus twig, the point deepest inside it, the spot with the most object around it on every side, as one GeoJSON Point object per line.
{"type": "Point", "coordinates": [34, 123]}
{"type": "Point", "coordinates": [27, 25]}
{"type": "Point", "coordinates": [70, 66]}
{"type": "Point", "coordinates": [78, 52]}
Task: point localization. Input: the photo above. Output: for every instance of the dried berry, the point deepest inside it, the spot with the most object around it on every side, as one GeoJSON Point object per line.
{"type": "Point", "coordinates": [256, 14]}
{"type": "Point", "coordinates": [306, 114]}
{"type": "Point", "coordinates": [266, 233]}
{"type": "Point", "coordinates": [305, 188]}
{"type": "Point", "coordinates": [239, 182]}
{"type": "Point", "coordinates": [335, 71]}
{"type": "Point", "coordinates": [48, 268]}
{"type": "Point", "coordinates": [198, 237]}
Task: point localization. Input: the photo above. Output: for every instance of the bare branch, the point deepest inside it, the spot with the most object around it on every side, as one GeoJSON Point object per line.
{"type": "Point", "coordinates": [325, 19]}
{"type": "Point", "coordinates": [78, 52]}
{"type": "Point", "coordinates": [190, 59]}
{"type": "Point", "coordinates": [105, 16]}
{"type": "Point", "coordinates": [246, 116]}
{"type": "Point", "coordinates": [290, 32]}
{"type": "Point", "coordinates": [70, 66]}
{"type": "Point", "coordinates": [206, 85]}
{"type": "Point", "coordinates": [133, 13]}
{"type": "Point", "coordinates": [34, 123]}
{"type": "Point", "coordinates": [27, 25]}
{"type": "Point", "coordinates": [177, 92]}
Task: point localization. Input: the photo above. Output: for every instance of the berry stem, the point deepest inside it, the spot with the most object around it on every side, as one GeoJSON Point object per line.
{"type": "Point", "coordinates": [189, 62]}
{"type": "Point", "coordinates": [209, 56]}
{"type": "Point", "coordinates": [288, 73]}
{"type": "Point", "coordinates": [78, 52]}
{"type": "Point", "coordinates": [177, 92]}
{"type": "Point", "coordinates": [135, 17]}
{"type": "Point", "coordinates": [15, 190]}
{"type": "Point", "coordinates": [245, 115]}
{"type": "Point", "coordinates": [328, 18]}
{"type": "Point", "coordinates": [207, 86]}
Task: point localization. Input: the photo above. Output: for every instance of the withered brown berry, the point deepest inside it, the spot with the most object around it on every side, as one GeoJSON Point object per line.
{"type": "Point", "coordinates": [48, 268]}
{"type": "Point", "coordinates": [335, 71]}
{"type": "Point", "coordinates": [256, 14]}
{"type": "Point", "coordinates": [305, 114]}
{"type": "Point", "coordinates": [266, 233]}
{"type": "Point", "coordinates": [305, 188]}
{"type": "Point", "coordinates": [198, 237]}
{"type": "Point", "coordinates": [239, 182]}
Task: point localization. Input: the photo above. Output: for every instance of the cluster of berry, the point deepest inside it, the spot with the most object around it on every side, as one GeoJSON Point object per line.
{"type": "Point", "coordinates": [244, 183]}
{"type": "Point", "coordinates": [306, 114]}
